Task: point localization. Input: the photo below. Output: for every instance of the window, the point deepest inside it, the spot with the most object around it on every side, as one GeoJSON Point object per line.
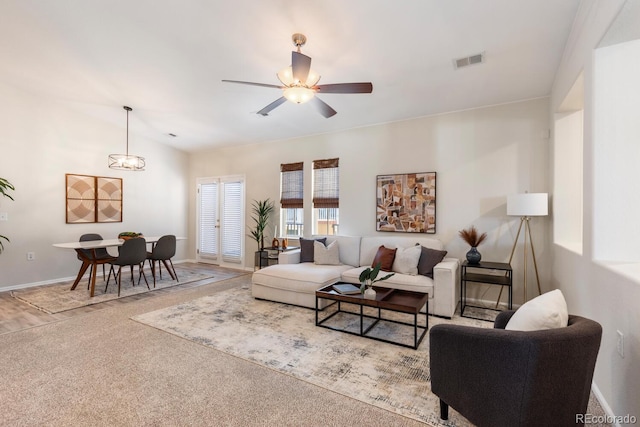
{"type": "Point", "coordinates": [291, 199]}
{"type": "Point", "coordinates": [568, 170]}
{"type": "Point", "coordinates": [616, 131]}
{"type": "Point", "coordinates": [326, 196]}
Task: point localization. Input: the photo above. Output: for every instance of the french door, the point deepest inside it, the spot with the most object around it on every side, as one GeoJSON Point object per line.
{"type": "Point", "coordinates": [220, 221]}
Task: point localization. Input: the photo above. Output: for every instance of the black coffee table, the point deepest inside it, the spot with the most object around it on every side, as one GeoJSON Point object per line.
{"type": "Point", "coordinates": [395, 300]}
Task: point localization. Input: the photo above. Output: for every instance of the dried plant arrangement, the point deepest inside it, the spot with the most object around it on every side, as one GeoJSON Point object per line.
{"type": "Point", "coordinates": [471, 236]}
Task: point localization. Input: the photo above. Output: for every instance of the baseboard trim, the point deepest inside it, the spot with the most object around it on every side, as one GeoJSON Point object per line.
{"type": "Point", "coordinates": [603, 402]}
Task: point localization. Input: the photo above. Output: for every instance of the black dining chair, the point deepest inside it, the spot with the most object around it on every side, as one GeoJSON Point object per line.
{"type": "Point", "coordinates": [132, 252]}
{"type": "Point", "coordinates": [163, 250]}
{"type": "Point", "coordinates": [102, 256]}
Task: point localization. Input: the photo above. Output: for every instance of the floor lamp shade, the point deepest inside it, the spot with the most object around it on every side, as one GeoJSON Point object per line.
{"type": "Point", "coordinates": [528, 204]}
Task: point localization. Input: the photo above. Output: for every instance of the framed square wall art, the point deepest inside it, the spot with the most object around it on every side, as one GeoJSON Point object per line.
{"type": "Point", "coordinates": [109, 199]}
{"type": "Point", "coordinates": [406, 202]}
{"type": "Point", "coordinates": [93, 199]}
{"type": "Point", "coordinates": [81, 199]}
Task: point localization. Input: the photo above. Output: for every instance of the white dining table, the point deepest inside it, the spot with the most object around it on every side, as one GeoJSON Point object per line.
{"type": "Point", "coordinates": [92, 245]}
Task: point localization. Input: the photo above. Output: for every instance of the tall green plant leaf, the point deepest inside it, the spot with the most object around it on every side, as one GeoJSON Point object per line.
{"type": "Point", "coordinates": [262, 210]}
{"type": "Point", "coordinates": [5, 187]}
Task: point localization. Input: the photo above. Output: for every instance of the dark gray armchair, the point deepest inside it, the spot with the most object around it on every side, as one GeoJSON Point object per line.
{"type": "Point", "coordinates": [495, 377]}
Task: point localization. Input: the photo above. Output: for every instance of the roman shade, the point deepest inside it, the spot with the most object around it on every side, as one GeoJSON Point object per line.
{"type": "Point", "coordinates": [326, 184]}
{"type": "Point", "coordinates": [292, 185]}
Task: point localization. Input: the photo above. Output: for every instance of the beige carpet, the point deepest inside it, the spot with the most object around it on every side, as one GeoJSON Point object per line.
{"type": "Point", "coordinates": [59, 297]}
{"type": "Point", "coordinates": [284, 338]}
{"type": "Point", "coordinates": [100, 368]}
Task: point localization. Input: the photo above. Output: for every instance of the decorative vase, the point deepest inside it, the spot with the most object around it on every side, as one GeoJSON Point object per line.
{"type": "Point", "coordinates": [473, 256]}
{"type": "Point", "coordinates": [275, 243]}
{"type": "Point", "coordinates": [370, 293]}
{"type": "Point", "coordinates": [367, 289]}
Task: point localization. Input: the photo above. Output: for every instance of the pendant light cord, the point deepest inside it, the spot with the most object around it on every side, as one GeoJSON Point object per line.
{"type": "Point", "coordinates": [127, 109]}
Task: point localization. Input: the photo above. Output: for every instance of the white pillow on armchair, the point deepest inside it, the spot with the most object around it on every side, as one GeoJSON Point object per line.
{"type": "Point", "coordinates": [547, 311]}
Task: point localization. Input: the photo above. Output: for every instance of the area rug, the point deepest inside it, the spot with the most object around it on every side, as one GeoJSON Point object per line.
{"type": "Point", "coordinates": [284, 338]}
{"type": "Point", "coordinates": [59, 297]}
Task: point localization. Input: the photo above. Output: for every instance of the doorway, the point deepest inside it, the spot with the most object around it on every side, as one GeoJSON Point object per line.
{"type": "Point", "coordinates": [220, 221]}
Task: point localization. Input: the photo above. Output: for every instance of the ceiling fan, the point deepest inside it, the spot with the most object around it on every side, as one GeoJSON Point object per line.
{"type": "Point", "coordinates": [300, 83]}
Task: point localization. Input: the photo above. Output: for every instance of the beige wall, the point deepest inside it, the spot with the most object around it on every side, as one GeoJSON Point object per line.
{"type": "Point", "coordinates": [41, 140]}
{"type": "Point", "coordinates": [479, 155]}
{"type": "Point", "coordinates": [591, 289]}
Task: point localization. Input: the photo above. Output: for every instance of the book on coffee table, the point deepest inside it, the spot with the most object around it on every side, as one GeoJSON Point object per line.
{"type": "Point", "coordinates": [347, 289]}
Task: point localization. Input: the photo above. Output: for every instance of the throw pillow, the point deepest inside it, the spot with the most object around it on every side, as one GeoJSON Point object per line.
{"type": "Point", "coordinates": [326, 255]}
{"type": "Point", "coordinates": [428, 259]}
{"type": "Point", "coordinates": [385, 257]}
{"type": "Point", "coordinates": [406, 260]}
{"type": "Point", "coordinates": [547, 311]}
{"type": "Point", "coordinates": [306, 248]}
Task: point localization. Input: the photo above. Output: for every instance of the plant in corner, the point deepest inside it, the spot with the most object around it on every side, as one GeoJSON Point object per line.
{"type": "Point", "coordinates": [5, 188]}
{"type": "Point", "coordinates": [471, 236]}
{"type": "Point", "coordinates": [368, 277]}
{"type": "Point", "coordinates": [262, 210]}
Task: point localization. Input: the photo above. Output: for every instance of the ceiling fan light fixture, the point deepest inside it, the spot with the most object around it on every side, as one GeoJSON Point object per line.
{"type": "Point", "coordinates": [300, 83]}
{"type": "Point", "coordinates": [286, 77]}
{"type": "Point", "coordinates": [312, 79]}
{"type": "Point", "coordinates": [298, 94]}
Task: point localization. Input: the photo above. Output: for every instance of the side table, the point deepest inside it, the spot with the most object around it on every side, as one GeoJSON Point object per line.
{"type": "Point", "coordinates": [269, 256]}
{"type": "Point", "coordinates": [505, 279]}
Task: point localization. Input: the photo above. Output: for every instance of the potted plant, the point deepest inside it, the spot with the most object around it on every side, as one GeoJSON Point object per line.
{"type": "Point", "coordinates": [368, 277]}
{"type": "Point", "coordinates": [5, 188]}
{"type": "Point", "coordinates": [126, 235]}
{"type": "Point", "coordinates": [262, 210]}
{"type": "Point", "coordinates": [471, 236]}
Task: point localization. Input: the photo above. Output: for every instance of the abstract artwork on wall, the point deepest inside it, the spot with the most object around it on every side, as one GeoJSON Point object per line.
{"type": "Point", "coordinates": [93, 199]}
{"type": "Point", "coordinates": [109, 199]}
{"type": "Point", "coordinates": [406, 202]}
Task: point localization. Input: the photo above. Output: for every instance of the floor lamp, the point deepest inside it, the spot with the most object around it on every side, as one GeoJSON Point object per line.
{"type": "Point", "coordinates": [526, 206]}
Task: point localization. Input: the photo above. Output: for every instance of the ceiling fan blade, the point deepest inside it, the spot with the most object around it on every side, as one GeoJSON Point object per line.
{"type": "Point", "coordinates": [300, 65]}
{"type": "Point", "coordinates": [323, 107]}
{"type": "Point", "coordinates": [265, 111]}
{"type": "Point", "coordinates": [253, 84]}
{"type": "Point", "coordinates": [345, 88]}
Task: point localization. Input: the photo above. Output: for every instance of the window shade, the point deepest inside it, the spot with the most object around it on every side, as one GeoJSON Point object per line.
{"type": "Point", "coordinates": [208, 220]}
{"type": "Point", "coordinates": [326, 183]}
{"type": "Point", "coordinates": [292, 185]}
{"type": "Point", "coordinates": [232, 222]}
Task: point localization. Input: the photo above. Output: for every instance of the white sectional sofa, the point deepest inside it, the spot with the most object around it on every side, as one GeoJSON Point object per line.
{"type": "Point", "coordinates": [293, 282]}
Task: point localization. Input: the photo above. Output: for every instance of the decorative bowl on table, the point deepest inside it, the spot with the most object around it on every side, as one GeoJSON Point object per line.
{"type": "Point", "coordinates": [126, 235]}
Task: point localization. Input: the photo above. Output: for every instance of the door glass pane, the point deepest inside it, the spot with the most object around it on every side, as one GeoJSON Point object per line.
{"type": "Point", "coordinates": [232, 222]}
{"type": "Point", "coordinates": [208, 237]}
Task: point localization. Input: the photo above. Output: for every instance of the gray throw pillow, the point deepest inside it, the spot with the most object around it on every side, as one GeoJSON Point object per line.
{"type": "Point", "coordinates": [428, 259]}
{"type": "Point", "coordinates": [306, 248]}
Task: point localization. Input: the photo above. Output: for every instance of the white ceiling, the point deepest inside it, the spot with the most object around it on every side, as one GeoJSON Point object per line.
{"type": "Point", "coordinates": [166, 59]}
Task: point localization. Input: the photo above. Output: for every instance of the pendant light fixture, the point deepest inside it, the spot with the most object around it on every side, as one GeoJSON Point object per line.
{"type": "Point", "coordinates": [126, 161]}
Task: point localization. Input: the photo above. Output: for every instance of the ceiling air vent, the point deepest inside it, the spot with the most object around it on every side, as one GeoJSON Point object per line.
{"type": "Point", "coordinates": [468, 60]}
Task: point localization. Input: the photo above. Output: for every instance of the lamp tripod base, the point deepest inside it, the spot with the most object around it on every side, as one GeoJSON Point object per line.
{"type": "Point", "coordinates": [527, 237]}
